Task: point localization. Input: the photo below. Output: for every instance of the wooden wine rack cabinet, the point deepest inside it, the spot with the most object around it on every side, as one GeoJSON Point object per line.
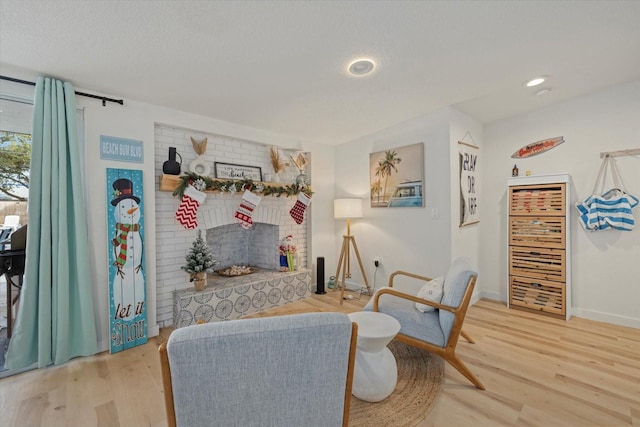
{"type": "Point", "coordinates": [539, 253]}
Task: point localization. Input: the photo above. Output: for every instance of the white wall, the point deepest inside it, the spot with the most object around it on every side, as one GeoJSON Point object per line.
{"type": "Point", "coordinates": [606, 264]}
{"type": "Point", "coordinates": [136, 120]}
{"type": "Point", "coordinates": [409, 239]}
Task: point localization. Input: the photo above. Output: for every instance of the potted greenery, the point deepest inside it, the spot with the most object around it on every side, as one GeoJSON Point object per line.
{"type": "Point", "coordinates": [199, 262]}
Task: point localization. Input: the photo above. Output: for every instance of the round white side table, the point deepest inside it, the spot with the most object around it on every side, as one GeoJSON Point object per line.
{"type": "Point", "coordinates": [376, 372]}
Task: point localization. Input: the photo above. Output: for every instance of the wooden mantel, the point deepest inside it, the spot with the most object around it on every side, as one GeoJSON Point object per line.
{"type": "Point", "coordinates": [171, 182]}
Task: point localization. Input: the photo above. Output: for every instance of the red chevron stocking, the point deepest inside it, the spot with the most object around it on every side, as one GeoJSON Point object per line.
{"type": "Point", "coordinates": [191, 201]}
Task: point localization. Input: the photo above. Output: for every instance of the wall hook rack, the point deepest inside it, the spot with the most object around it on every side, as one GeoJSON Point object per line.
{"type": "Point", "coordinates": [620, 153]}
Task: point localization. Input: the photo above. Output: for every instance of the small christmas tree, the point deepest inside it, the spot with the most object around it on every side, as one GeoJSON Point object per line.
{"type": "Point", "coordinates": [199, 258]}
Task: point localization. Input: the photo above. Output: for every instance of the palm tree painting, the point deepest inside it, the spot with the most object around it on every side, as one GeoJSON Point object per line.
{"type": "Point", "coordinates": [396, 176]}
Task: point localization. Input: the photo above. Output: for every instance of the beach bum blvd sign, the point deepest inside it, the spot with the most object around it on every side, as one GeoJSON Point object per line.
{"type": "Point", "coordinates": [537, 147]}
{"type": "Point", "coordinates": [120, 149]}
{"type": "Point", "coordinates": [469, 183]}
{"type": "Point", "coordinates": [125, 241]}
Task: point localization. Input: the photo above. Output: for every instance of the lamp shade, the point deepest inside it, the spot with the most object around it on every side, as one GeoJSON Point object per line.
{"type": "Point", "coordinates": [347, 208]}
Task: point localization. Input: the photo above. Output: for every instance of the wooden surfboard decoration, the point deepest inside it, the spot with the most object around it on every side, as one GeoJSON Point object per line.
{"type": "Point", "coordinates": [538, 147]}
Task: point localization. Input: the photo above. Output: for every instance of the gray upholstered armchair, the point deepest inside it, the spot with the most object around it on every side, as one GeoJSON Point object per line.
{"type": "Point", "coordinates": [436, 331]}
{"type": "Point", "coordinates": [277, 371]}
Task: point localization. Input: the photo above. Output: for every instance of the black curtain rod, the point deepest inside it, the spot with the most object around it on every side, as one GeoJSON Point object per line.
{"type": "Point", "coordinates": [88, 95]}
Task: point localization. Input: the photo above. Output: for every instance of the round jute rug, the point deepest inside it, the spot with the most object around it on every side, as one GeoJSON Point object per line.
{"type": "Point", "coordinates": [420, 378]}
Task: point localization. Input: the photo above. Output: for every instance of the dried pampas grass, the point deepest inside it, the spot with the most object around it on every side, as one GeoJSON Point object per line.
{"type": "Point", "coordinates": [276, 161]}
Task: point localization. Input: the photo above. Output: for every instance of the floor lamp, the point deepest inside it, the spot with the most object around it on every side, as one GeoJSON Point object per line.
{"type": "Point", "coordinates": [348, 208]}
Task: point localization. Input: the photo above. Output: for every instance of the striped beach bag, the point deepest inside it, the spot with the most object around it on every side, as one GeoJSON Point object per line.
{"type": "Point", "coordinates": [611, 209]}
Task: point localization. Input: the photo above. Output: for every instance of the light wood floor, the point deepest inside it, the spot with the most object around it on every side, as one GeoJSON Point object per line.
{"type": "Point", "coordinates": [538, 371]}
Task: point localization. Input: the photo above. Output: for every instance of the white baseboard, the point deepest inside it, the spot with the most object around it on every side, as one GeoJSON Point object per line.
{"type": "Point", "coordinates": [606, 317]}
{"type": "Point", "coordinates": [475, 298]}
{"type": "Point", "coordinates": [353, 286]}
{"type": "Point", "coordinates": [496, 296]}
{"type": "Point", "coordinates": [153, 331]}
{"type": "Point", "coordinates": [584, 313]}
{"type": "Point", "coordinates": [103, 345]}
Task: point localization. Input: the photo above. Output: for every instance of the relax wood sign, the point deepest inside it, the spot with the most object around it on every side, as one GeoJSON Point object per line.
{"type": "Point", "coordinates": [469, 183]}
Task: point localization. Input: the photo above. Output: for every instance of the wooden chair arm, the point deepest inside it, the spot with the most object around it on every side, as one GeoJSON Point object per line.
{"type": "Point", "coordinates": [167, 386]}
{"type": "Point", "coordinates": [414, 298]}
{"type": "Point", "coordinates": [405, 273]}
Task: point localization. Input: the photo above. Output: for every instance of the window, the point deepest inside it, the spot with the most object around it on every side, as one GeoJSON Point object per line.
{"type": "Point", "coordinates": [15, 156]}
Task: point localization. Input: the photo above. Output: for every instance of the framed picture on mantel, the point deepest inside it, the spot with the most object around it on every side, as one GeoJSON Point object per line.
{"type": "Point", "coordinates": [231, 171]}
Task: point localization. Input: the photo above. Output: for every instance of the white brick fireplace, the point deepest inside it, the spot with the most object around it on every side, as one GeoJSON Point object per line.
{"type": "Point", "coordinates": [173, 241]}
{"type": "Point", "coordinates": [233, 245]}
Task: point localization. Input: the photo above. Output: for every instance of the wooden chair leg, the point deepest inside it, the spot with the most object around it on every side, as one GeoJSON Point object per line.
{"type": "Point", "coordinates": [166, 386]}
{"type": "Point", "coordinates": [467, 337]}
{"type": "Point", "coordinates": [462, 368]}
{"type": "Point", "coordinates": [350, 370]}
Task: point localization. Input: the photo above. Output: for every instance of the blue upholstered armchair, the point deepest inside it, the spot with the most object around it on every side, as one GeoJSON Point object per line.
{"type": "Point", "coordinates": [438, 330]}
{"type": "Point", "coordinates": [292, 370]}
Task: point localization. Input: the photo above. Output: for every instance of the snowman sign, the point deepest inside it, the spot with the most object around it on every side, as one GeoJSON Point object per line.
{"type": "Point", "coordinates": [125, 235]}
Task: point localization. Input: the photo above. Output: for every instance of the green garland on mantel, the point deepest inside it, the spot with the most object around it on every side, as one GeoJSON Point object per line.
{"type": "Point", "coordinates": [205, 183]}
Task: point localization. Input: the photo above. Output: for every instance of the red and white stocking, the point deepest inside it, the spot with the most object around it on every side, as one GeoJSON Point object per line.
{"type": "Point", "coordinates": [297, 211]}
{"type": "Point", "coordinates": [245, 210]}
{"type": "Point", "coordinates": [191, 201]}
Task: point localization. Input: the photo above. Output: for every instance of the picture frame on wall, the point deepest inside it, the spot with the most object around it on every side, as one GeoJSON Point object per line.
{"type": "Point", "coordinates": [233, 171]}
{"type": "Point", "coordinates": [396, 177]}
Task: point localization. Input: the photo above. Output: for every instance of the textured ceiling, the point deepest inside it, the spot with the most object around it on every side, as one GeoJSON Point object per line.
{"type": "Point", "coordinates": [280, 66]}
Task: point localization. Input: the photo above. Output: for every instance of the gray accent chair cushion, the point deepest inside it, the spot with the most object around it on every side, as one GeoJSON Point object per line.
{"type": "Point", "coordinates": [276, 371]}
{"type": "Point", "coordinates": [455, 285]}
{"type": "Point", "coordinates": [435, 326]}
{"type": "Point", "coordinates": [423, 326]}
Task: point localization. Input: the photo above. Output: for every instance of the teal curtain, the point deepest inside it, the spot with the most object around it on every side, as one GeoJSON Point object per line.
{"type": "Point", "coordinates": [55, 322]}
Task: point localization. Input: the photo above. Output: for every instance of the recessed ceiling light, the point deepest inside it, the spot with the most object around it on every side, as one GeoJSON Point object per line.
{"type": "Point", "coordinates": [535, 82]}
{"type": "Point", "coordinates": [543, 91]}
{"type": "Point", "coordinates": [360, 67]}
